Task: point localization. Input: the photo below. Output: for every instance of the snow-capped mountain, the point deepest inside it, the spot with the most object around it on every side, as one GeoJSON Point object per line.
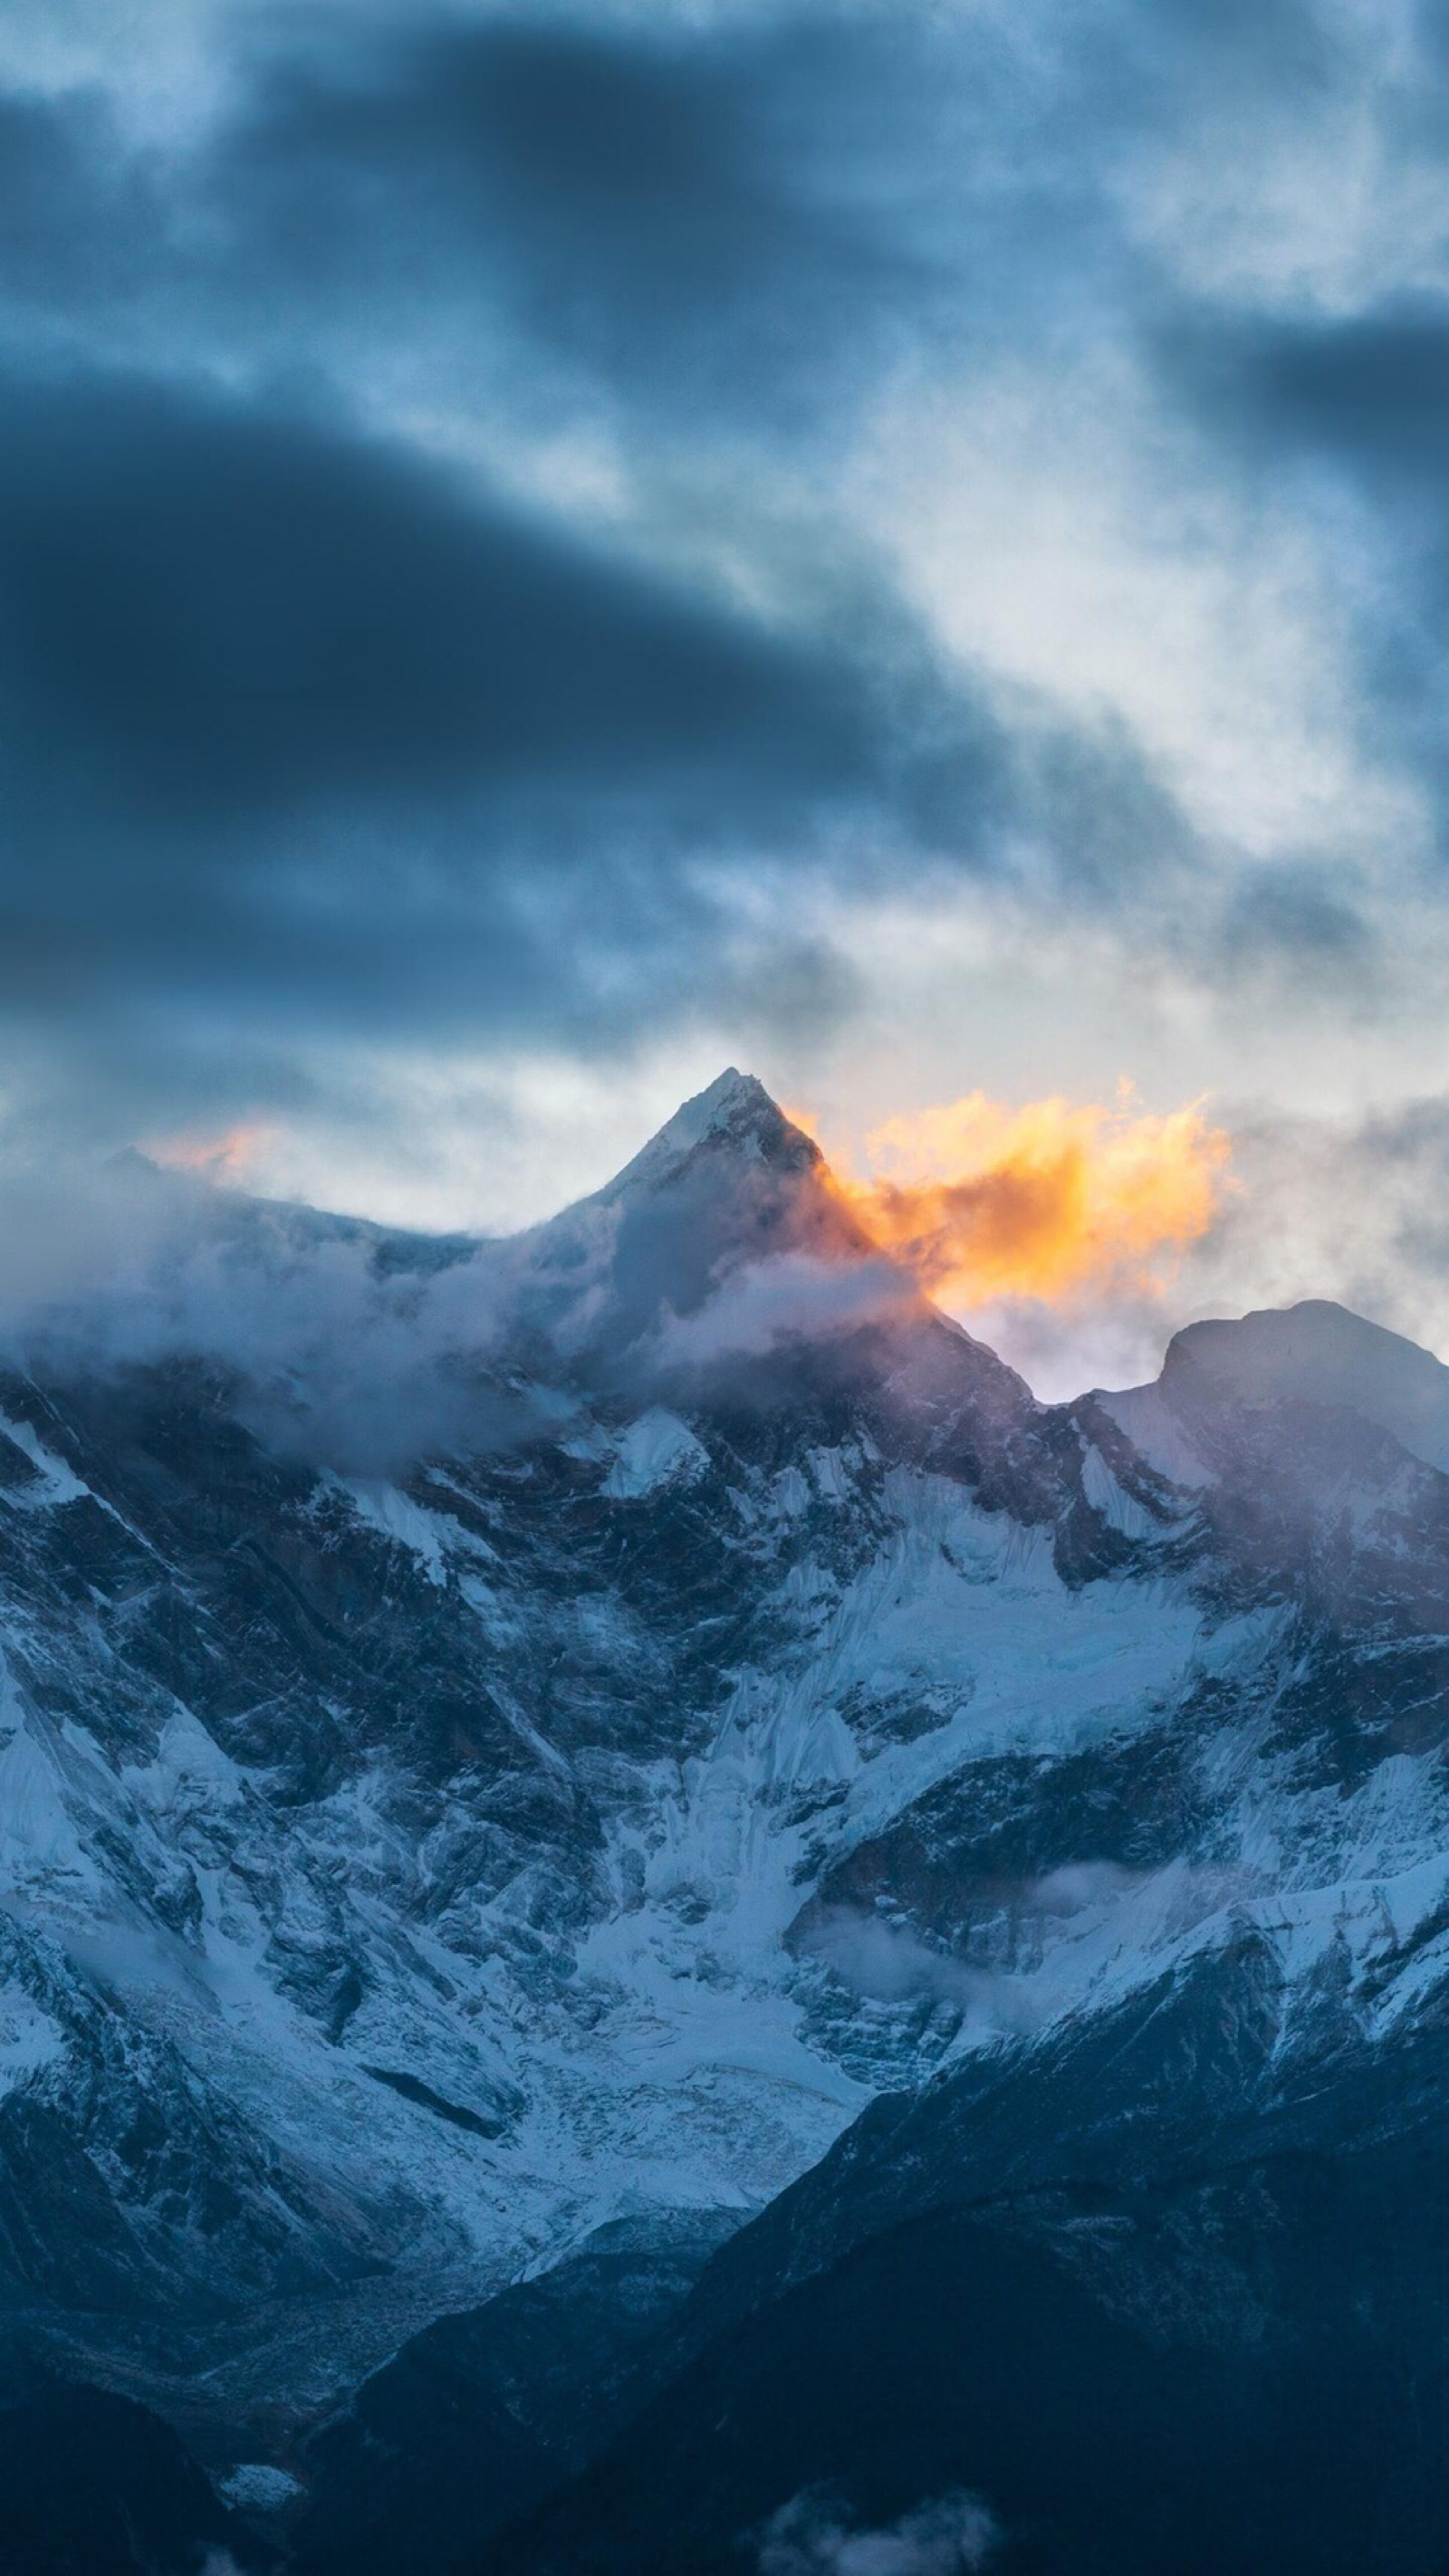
{"type": "Point", "coordinates": [737, 1700]}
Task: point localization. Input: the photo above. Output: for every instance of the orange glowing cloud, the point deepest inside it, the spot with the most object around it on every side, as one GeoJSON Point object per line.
{"type": "Point", "coordinates": [223, 1157]}
{"type": "Point", "coordinates": [1055, 1200]}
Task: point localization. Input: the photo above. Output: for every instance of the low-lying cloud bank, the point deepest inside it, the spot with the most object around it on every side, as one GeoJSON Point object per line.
{"type": "Point", "coordinates": [362, 1349]}
{"type": "Point", "coordinates": [338, 1353]}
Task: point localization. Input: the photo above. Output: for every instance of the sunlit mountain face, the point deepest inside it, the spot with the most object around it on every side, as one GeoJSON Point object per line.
{"type": "Point", "coordinates": [625, 1805]}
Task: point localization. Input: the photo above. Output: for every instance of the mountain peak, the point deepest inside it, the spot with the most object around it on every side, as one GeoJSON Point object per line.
{"type": "Point", "coordinates": [735, 1113]}
{"type": "Point", "coordinates": [728, 1182]}
{"type": "Point", "coordinates": [1319, 1353]}
{"type": "Point", "coordinates": [729, 1091]}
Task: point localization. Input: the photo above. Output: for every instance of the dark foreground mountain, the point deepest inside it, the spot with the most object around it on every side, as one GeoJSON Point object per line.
{"type": "Point", "coordinates": [647, 1728]}
{"type": "Point", "coordinates": [1137, 2335]}
{"type": "Point", "coordinates": [92, 2485]}
{"type": "Point", "coordinates": [483, 2414]}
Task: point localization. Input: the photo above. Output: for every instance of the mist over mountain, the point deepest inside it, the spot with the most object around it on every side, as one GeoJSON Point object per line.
{"type": "Point", "coordinates": [624, 1806]}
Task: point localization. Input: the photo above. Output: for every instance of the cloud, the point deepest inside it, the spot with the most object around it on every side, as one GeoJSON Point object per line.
{"type": "Point", "coordinates": [346, 1348]}
{"type": "Point", "coordinates": [526, 528]}
{"type": "Point", "coordinates": [306, 742]}
{"type": "Point", "coordinates": [219, 613]}
{"type": "Point", "coordinates": [889, 1961]}
{"type": "Point", "coordinates": [815, 2535]}
{"type": "Point", "coordinates": [659, 207]}
{"type": "Point", "coordinates": [1111, 1341]}
{"type": "Point", "coordinates": [1353, 1205]}
{"type": "Point", "coordinates": [1371, 390]}
{"type": "Point", "coordinates": [1311, 174]}
{"type": "Point", "coordinates": [1055, 1200]}
{"type": "Point", "coordinates": [1079, 543]}
{"type": "Point", "coordinates": [891, 1964]}
{"type": "Point", "coordinates": [787, 1297]}
{"type": "Point", "coordinates": [364, 1350]}
{"type": "Point", "coordinates": [1039, 1940]}
{"type": "Point", "coordinates": [1348, 1209]}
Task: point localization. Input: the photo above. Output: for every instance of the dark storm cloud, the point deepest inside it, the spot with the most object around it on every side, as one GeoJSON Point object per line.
{"type": "Point", "coordinates": [79, 214]}
{"type": "Point", "coordinates": [1374, 391]}
{"type": "Point", "coordinates": [215, 613]}
{"type": "Point", "coordinates": [302, 729]}
{"type": "Point", "coordinates": [744, 217]}
{"type": "Point", "coordinates": [690, 212]}
{"type": "Point", "coordinates": [1368, 391]}
{"type": "Point", "coordinates": [308, 737]}
{"type": "Point", "coordinates": [297, 730]}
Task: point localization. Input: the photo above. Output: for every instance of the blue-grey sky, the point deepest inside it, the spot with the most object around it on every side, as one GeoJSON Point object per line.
{"type": "Point", "coordinates": [545, 549]}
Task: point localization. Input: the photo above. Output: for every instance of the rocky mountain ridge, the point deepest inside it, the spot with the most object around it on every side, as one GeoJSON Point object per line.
{"type": "Point", "coordinates": [757, 1707]}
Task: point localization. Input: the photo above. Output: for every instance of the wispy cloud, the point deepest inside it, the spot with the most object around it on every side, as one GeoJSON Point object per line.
{"type": "Point", "coordinates": [789, 1296]}
{"type": "Point", "coordinates": [1052, 1199]}
{"type": "Point", "coordinates": [337, 1357]}
{"type": "Point", "coordinates": [815, 2535]}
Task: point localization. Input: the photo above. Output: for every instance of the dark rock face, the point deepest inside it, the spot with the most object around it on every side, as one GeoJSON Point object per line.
{"type": "Point", "coordinates": [480, 2416]}
{"type": "Point", "coordinates": [1251, 2409]}
{"type": "Point", "coordinates": [767, 1728]}
{"type": "Point", "coordinates": [92, 2485]}
{"type": "Point", "coordinates": [1160, 2303]}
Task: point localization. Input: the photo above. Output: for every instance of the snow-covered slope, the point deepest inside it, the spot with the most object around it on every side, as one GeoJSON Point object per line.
{"type": "Point", "coordinates": [404, 1874]}
{"type": "Point", "coordinates": [1316, 1354]}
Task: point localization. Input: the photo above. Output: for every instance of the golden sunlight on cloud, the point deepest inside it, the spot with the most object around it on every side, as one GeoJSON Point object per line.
{"type": "Point", "coordinates": [1054, 1200]}
{"type": "Point", "coordinates": [221, 1157]}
